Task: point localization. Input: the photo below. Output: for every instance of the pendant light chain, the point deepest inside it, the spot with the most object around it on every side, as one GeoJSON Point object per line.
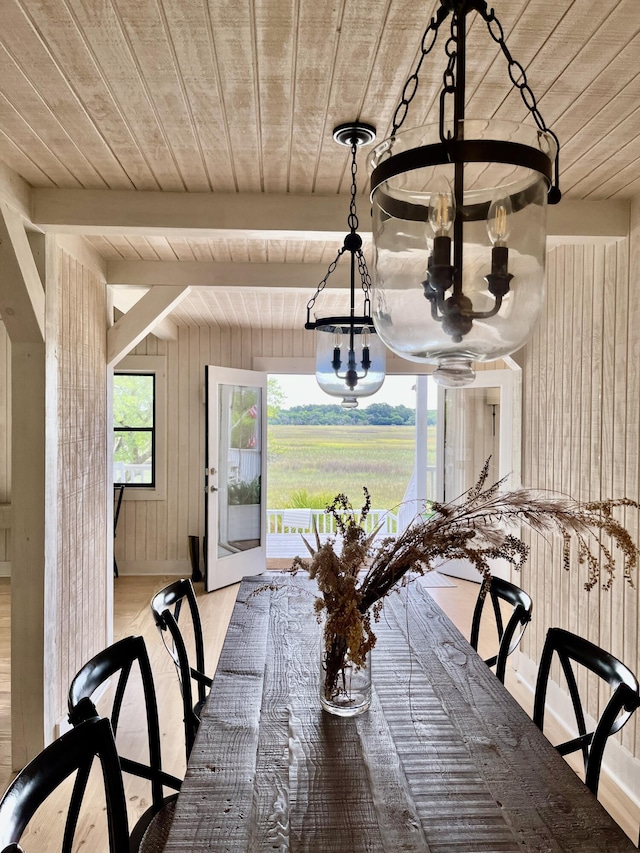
{"type": "Point", "coordinates": [449, 77]}
{"type": "Point", "coordinates": [352, 222]}
{"type": "Point", "coordinates": [366, 281]}
{"type": "Point", "coordinates": [352, 219]}
{"type": "Point", "coordinates": [518, 77]}
{"type": "Point", "coordinates": [411, 86]}
{"type": "Point", "coordinates": [323, 283]}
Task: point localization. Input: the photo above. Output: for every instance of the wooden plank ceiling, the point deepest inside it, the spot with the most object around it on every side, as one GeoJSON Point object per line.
{"type": "Point", "coordinates": [241, 96]}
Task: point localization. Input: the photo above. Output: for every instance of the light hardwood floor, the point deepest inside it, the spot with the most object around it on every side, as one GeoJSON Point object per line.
{"type": "Point", "coordinates": [132, 616]}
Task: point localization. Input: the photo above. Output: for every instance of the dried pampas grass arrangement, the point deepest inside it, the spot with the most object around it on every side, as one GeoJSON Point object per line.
{"type": "Point", "coordinates": [480, 526]}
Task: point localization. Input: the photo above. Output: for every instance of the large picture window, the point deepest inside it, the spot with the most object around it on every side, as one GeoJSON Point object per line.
{"type": "Point", "coordinates": [134, 425]}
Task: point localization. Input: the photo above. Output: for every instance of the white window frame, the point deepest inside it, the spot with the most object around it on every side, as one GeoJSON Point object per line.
{"type": "Point", "coordinates": [156, 365]}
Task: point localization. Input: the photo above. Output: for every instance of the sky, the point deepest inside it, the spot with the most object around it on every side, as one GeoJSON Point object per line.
{"type": "Point", "coordinates": [396, 390]}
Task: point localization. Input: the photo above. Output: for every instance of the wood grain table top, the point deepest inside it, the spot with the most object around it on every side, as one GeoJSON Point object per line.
{"type": "Point", "coordinates": [445, 760]}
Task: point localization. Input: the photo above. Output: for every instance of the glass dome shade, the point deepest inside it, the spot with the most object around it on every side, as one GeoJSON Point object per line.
{"type": "Point", "coordinates": [473, 292]}
{"type": "Point", "coordinates": [350, 360]}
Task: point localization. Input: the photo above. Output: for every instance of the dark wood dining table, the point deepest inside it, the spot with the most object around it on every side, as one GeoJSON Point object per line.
{"type": "Point", "coordinates": [445, 760]}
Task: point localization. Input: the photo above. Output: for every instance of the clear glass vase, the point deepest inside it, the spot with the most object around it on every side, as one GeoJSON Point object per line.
{"type": "Point", "coordinates": [345, 689]}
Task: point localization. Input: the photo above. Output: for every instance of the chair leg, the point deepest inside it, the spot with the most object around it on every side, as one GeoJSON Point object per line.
{"type": "Point", "coordinates": [194, 555]}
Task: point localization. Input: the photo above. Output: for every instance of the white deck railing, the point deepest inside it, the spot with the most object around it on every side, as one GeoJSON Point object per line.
{"type": "Point", "coordinates": [301, 521]}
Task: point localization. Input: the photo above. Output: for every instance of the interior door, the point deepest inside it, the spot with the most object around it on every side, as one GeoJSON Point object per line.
{"type": "Point", "coordinates": [235, 483]}
{"type": "Point", "coordinates": [477, 423]}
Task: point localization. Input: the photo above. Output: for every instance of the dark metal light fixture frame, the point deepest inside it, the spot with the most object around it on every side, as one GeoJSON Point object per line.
{"type": "Point", "coordinates": [353, 373]}
{"type": "Point", "coordinates": [443, 285]}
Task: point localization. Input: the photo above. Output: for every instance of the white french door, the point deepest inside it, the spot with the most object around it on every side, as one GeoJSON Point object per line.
{"type": "Point", "coordinates": [235, 483]}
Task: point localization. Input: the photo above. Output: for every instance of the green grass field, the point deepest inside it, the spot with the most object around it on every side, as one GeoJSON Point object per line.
{"type": "Point", "coordinates": [324, 460]}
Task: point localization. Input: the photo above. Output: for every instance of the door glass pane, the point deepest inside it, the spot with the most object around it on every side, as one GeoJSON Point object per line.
{"type": "Point", "coordinates": [471, 435]}
{"type": "Point", "coordinates": [240, 465]}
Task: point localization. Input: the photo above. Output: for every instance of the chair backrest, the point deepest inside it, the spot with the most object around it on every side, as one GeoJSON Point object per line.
{"type": "Point", "coordinates": [497, 590]}
{"type": "Point", "coordinates": [166, 606]}
{"type": "Point", "coordinates": [119, 660]}
{"type": "Point", "coordinates": [118, 493]}
{"type": "Point", "coordinates": [624, 700]}
{"type": "Point", "coordinates": [74, 751]}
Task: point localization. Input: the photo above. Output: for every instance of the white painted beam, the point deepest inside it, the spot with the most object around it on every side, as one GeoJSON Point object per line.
{"type": "Point", "coordinates": [35, 626]}
{"type": "Point", "coordinates": [22, 302]}
{"type": "Point", "coordinates": [166, 330]}
{"type": "Point", "coordinates": [223, 274]}
{"type": "Point", "coordinates": [266, 216]}
{"type": "Point", "coordinates": [123, 298]}
{"type": "Point", "coordinates": [573, 222]}
{"type": "Point", "coordinates": [104, 212]}
{"type": "Point", "coordinates": [140, 320]}
{"type": "Point", "coordinates": [15, 191]}
{"type": "Point", "coordinates": [31, 673]}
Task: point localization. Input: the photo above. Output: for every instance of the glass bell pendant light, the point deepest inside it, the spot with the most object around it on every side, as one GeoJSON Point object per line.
{"type": "Point", "coordinates": [459, 219]}
{"type": "Point", "coordinates": [350, 357]}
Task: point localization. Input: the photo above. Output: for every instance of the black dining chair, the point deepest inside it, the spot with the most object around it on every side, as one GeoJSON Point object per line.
{"type": "Point", "coordinates": [497, 590]}
{"type": "Point", "coordinates": [624, 700]}
{"type": "Point", "coordinates": [167, 606]}
{"type": "Point", "coordinates": [73, 752]}
{"type": "Point", "coordinates": [118, 494]}
{"type": "Point", "coordinates": [119, 660]}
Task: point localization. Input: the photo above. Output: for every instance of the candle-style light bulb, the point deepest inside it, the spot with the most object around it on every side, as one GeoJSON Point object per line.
{"type": "Point", "coordinates": [366, 356]}
{"type": "Point", "coordinates": [441, 207]}
{"type": "Point", "coordinates": [336, 362]}
{"type": "Point", "coordinates": [499, 220]}
{"type": "Point", "coordinates": [498, 226]}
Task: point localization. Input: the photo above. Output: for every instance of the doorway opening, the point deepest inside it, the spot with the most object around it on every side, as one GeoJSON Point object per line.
{"type": "Point", "coordinates": [317, 450]}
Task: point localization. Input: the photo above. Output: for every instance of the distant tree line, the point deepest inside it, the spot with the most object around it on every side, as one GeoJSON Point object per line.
{"type": "Point", "coordinates": [377, 414]}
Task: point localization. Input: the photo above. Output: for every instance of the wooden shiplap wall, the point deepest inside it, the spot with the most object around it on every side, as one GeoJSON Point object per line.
{"type": "Point", "coordinates": [83, 477]}
{"type": "Point", "coordinates": [581, 419]}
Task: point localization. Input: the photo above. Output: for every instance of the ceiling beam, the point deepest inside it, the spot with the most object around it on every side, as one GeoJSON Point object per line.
{"type": "Point", "coordinates": [223, 274]}
{"type": "Point", "coordinates": [104, 212]}
{"type": "Point", "coordinates": [22, 300]}
{"type": "Point", "coordinates": [140, 320]}
{"type": "Point", "coordinates": [266, 215]}
{"type": "Point", "coordinates": [165, 330]}
{"type": "Point", "coordinates": [15, 191]}
{"type": "Point", "coordinates": [124, 298]}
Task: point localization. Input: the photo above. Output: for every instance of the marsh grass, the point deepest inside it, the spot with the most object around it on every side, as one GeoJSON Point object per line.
{"type": "Point", "coordinates": [326, 460]}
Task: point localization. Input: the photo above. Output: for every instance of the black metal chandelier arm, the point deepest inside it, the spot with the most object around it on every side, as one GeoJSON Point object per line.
{"type": "Point", "coordinates": [484, 315]}
{"type": "Point", "coordinates": [439, 311]}
{"type": "Point", "coordinates": [518, 77]}
{"type": "Point", "coordinates": [322, 285]}
{"type": "Point", "coordinates": [352, 375]}
{"type": "Point", "coordinates": [411, 86]}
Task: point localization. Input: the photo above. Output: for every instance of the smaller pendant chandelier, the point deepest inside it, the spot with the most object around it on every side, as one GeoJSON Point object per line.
{"type": "Point", "coordinates": [459, 218]}
{"type": "Point", "coordinates": [350, 358]}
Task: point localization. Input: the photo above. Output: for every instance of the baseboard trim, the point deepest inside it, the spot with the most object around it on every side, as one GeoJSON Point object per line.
{"type": "Point", "coordinates": [5, 569]}
{"type": "Point", "coordinates": [181, 568]}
